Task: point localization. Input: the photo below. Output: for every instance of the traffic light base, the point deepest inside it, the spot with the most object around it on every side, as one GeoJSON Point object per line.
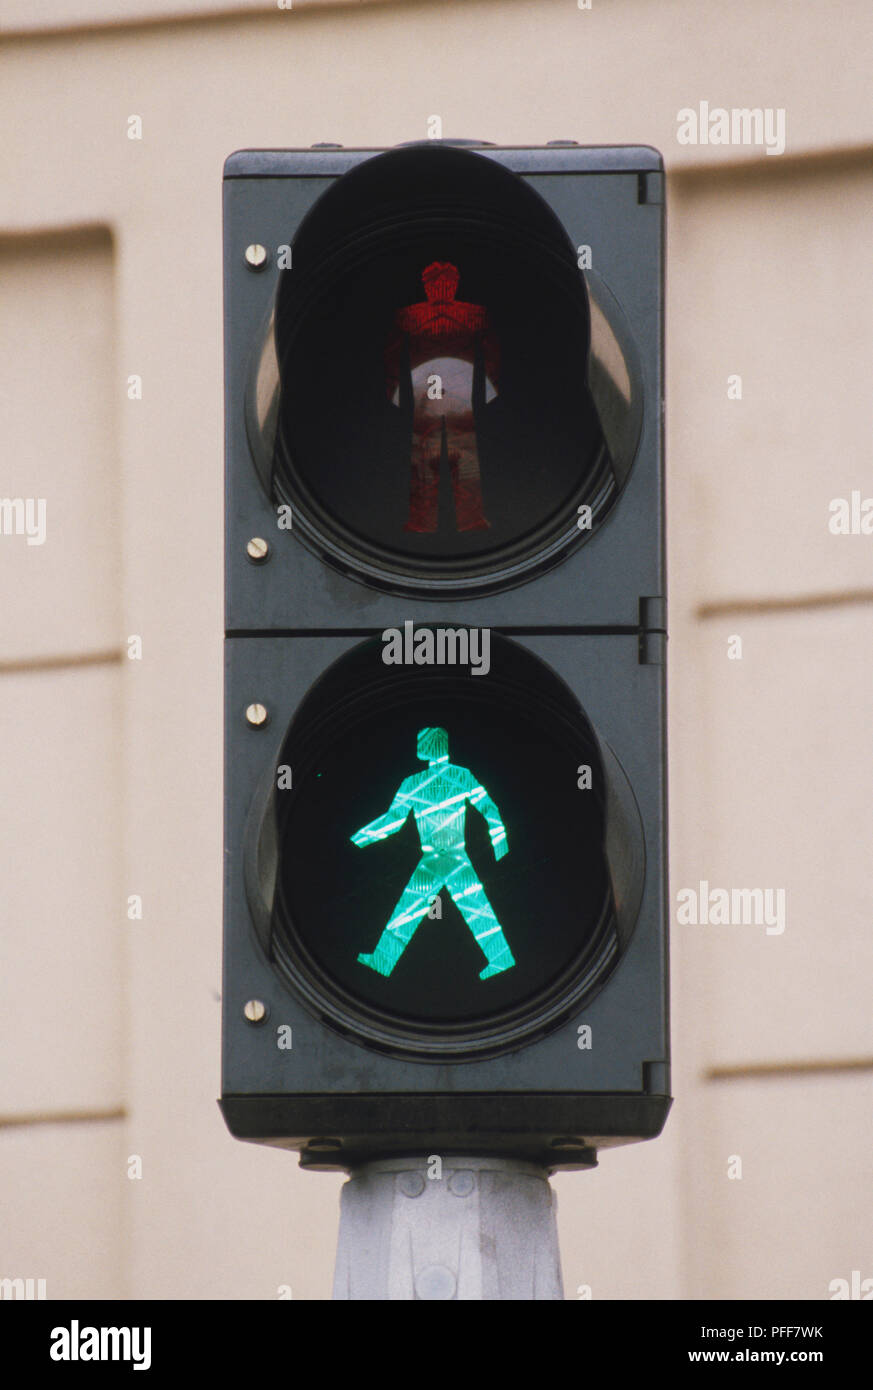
{"type": "Point", "coordinates": [343, 1132]}
{"type": "Point", "coordinates": [448, 1228]}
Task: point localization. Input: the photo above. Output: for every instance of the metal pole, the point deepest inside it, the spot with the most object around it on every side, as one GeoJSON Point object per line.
{"type": "Point", "coordinates": [448, 1228]}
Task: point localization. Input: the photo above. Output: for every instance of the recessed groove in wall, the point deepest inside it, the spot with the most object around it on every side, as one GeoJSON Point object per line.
{"type": "Point", "coordinates": [155, 17]}
{"type": "Point", "coordinates": [53, 236]}
{"type": "Point", "coordinates": [62, 663]}
{"type": "Point", "coordinates": [813, 163]}
{"type": "Point", "coordinates": [754, 1070]}
{"type": "Point", "coordinates": [63, 1117]}
{"type": "Point", "coordinates": [722, 608]}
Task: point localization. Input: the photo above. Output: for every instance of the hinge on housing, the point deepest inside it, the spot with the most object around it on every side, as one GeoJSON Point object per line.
{"type": "Point", "coordinates": [650, 187]}
{"type": "Point", "coordinates": [653, 630]}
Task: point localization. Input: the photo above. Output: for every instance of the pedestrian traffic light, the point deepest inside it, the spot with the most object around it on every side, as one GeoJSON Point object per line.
{"type": "Point", "coordinates": [445, 905]}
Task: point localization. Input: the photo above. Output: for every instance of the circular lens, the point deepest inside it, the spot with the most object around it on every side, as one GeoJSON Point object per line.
{"type": "Point", "coordinates": [441, 883]}
{"type": "Point", "coordinates": [453, 440]}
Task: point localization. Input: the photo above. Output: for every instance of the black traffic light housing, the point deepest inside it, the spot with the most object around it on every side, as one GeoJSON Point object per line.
{"type": "Point", "coordinates": [562, 727]}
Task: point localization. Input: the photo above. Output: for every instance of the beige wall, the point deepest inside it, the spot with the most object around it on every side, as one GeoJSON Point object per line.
{"type": "Point", "coordinates": [771, 760]}
{"type": "Point", "coordinates": [110, 784]}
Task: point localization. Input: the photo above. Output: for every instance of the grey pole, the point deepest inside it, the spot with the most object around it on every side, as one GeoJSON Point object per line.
{"type": "Point", "coordinates": [448, 1228]}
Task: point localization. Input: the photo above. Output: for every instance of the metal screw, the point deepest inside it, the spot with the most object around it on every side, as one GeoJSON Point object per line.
{"type": "Point", "coordinates": [410, 1184]}
{"type": "Point", "coordinates": [462, 1183]}
{"type": "Point", "coordinates": [256, 256]}
{"type": "Point", "coordinates": [256, 715]}
{"type": "Point", "coordinates": [436, 1282]}
{"type": "Point", "coordinates": [255, 1011]}
{"type": "Point", "coordinates": [258, 550]}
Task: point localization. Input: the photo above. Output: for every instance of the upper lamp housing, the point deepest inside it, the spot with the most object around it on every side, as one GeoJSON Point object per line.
{"type": "Point", "coordinates": [454, 384]}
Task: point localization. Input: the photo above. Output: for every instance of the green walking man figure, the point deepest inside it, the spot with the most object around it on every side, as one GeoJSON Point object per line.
{"type": "Point", "coordinates": [438, 798]}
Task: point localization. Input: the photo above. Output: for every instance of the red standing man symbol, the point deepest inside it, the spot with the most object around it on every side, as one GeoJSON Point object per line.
{"type": "Point", "coordinates": [444, 337]}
